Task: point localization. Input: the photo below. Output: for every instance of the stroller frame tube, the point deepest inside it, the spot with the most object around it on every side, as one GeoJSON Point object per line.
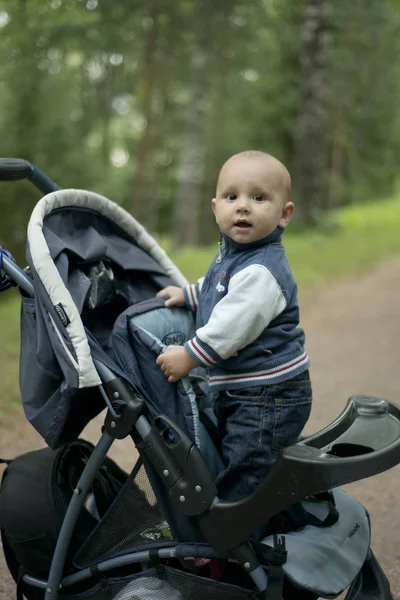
{"type": "Point", "coordinates": [118, 561]}
{"type": "Point", "coordinates": [42, 181]}
{"type": "Point", "coordinates": [17, 275]}
{"type": "Point", "coordinates": [71, 516]}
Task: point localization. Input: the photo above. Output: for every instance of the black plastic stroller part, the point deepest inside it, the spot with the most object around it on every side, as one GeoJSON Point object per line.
{"type": "Point", "coordinates": [127, 405]}
{"type": "Point", "coordinates": [15, 169]}
{"type": "Point", "coordinates": [363, 441]}
{"type": "Point", "coordinates": [180, 465]}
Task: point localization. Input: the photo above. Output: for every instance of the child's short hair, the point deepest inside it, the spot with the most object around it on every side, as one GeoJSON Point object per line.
{"type": "Point", "coordinates": [286, 179]}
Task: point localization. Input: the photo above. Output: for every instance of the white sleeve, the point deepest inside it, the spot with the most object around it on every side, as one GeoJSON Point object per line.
{"type": "Point", "coordinates": [192, 293]}
{"type": "Point", "coordinates": [253, 300]}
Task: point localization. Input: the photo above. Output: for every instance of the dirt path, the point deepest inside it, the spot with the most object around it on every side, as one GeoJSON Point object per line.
{"type": "Point", "coordinates": [353, 338]}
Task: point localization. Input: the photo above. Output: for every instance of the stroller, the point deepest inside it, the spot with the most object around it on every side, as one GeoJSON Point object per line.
{"type": "Point", "coordinates": [91, 329]}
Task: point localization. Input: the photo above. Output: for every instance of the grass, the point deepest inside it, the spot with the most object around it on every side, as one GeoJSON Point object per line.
{"type": "Point", "coordinates": [358, 237]}
{"type": "Point", "coordinates": [9, 354]}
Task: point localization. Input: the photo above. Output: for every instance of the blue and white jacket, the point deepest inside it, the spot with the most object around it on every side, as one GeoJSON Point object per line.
{"type": "Point", "coordinates": [247, 316]}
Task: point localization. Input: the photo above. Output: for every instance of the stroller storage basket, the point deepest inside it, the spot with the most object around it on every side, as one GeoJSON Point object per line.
{"type": "Point", "coordinates": [162, 583]}
{"type": "Point", "coordinates": [134, 519]}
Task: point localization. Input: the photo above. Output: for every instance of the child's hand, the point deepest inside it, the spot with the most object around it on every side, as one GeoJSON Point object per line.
{"type": "Point", "coordinates": [176, 295]}
{"type": "Point", "coordinates": [176, 362]}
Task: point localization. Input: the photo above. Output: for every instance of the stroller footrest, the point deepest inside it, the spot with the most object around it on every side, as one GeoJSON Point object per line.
{"type": "Point", "coordinates": [363, 441]}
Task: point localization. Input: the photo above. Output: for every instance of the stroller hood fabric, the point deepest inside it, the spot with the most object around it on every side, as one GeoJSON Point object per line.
{"type": "Point", "coordinates": [89, 260]}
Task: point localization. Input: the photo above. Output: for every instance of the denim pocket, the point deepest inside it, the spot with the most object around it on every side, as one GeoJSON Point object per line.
{"type": "Point", "coordinates": [254, 425]}
{"type": "Point", "coordinates": [254, 394]}
{"type": "Point", "coordinates": [292, 409]}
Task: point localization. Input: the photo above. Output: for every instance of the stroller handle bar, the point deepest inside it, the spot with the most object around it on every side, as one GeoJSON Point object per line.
{"type": "Point", "coordinates": [16, 169]}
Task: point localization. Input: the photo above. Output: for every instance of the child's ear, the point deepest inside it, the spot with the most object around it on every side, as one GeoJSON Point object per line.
{"type": "Point", "coordinates": [287, 214]}
{"type": "Point", "coordinates": [213, 201]}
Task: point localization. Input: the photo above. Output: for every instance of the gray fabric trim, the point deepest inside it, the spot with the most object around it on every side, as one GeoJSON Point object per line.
{"type": "Point", "coordinates": [50, 277]}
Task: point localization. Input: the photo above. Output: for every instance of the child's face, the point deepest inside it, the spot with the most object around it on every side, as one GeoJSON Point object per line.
{"type": "Point", "coordinates": [251, 198]}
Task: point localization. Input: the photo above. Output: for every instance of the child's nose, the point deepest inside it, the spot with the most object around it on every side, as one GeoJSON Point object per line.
{"type": "Point", "coordinates": [243, 205]}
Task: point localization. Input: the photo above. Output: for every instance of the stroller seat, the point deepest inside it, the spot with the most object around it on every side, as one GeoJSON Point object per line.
{"type": "Point", "coordinates": [140, 334]}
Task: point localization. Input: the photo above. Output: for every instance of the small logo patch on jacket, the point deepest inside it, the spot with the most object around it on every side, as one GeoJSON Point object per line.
{"type": "Point", "coordinates": [62, 314]}
{"type": "Point", "coordinates": [224, 275]}
{"type": "Point", "coordinates": [175, 338]}
{"type": "Point", "coordinates": [219, 287]}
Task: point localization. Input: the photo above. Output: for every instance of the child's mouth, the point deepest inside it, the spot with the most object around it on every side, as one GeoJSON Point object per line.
{"type": "Point", "coordinates": [242, 225]}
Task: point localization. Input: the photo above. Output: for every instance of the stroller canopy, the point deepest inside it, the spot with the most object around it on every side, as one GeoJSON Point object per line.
{"type": "Point", "coordinates": [90, 260]}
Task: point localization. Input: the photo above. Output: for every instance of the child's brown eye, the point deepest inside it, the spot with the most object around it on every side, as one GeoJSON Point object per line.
{"type": "Point", "coordinates": [258, 197]}
{"type": "Point", "coordinates": [231, 196]}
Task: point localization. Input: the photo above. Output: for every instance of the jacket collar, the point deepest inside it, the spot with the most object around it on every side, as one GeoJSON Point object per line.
{"type": "Point", "coordinates": [233, 247]}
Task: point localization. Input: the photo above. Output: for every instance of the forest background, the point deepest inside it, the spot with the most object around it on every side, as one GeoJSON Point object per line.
{"type": "Point", "coordinates": [143, 100]}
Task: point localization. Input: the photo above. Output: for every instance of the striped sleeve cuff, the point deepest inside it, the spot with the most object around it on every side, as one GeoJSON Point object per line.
{"type": "Point", "coordinates": [201, 352]}
{"type": "Point", "coordinates": [191, 293]}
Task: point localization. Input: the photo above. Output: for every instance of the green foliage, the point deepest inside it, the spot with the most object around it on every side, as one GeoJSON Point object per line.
{"type": "Point", "coordinates": [363, 236]}
{"type": "Point", "coordinates": [9, 354]}
{"type": "Point", "coordinates": [102, 95]}
{"type": "Point", "coordinates": [365, 128]}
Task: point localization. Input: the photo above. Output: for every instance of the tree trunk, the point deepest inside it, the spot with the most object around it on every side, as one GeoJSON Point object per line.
{"type": "Point", "coordinates": [141, 189]}
{"type": "Point", "coordinates": [215, 155]}
{"type": "Point", "coordinates": [310, 176]}
{"type": "Point", "coordinates": [156, 170]}
{"type": "Point", "coordinates": [106, 92]}
{"type": "Point", "coordinates": [190, 170]}
{"type": "Point", "coordinates": [337, 157]}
